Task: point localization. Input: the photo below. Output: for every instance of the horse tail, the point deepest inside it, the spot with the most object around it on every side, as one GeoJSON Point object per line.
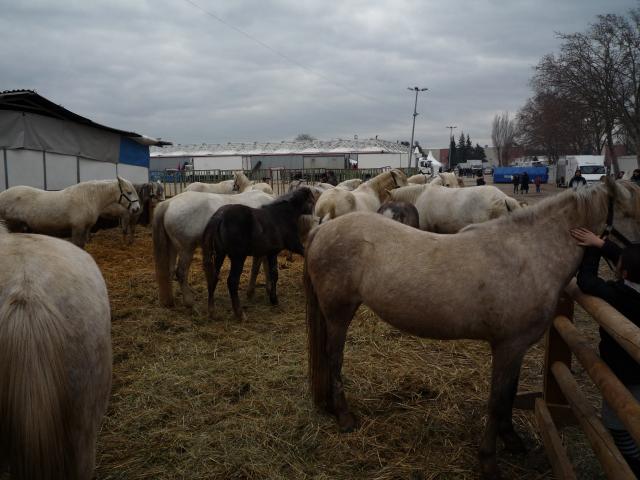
{"type": "Point", "coordinates": [161, 255]}
{"type": "Point", "coordinates": [317, 339]}
{"type": "Point", "coordinates": [34, 395]}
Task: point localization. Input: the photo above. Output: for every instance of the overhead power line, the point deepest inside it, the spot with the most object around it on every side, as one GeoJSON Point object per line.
{"type": "Point", "coordinates": [287, 58]}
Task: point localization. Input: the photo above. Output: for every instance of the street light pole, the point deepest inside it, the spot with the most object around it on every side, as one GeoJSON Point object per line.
{"type": "Point", "coordinates": [450, 127]}
{"type": "Point", "coordinates": [413, 128]}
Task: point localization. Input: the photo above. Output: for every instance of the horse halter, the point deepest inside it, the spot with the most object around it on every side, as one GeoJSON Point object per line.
{"type": "Point", "coordinates": [126, 197]}
{"type": "Point", "coordinates": [609, 229]}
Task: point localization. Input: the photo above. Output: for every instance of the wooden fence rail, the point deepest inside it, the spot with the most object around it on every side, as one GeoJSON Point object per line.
{"type": "Point", "coordinates": [562, 401]}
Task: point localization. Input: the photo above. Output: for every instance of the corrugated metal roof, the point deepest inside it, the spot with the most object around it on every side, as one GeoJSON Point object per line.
{"type": "Point", "coordinates": [315, 147]}
{"type": "Point", "coordinates": [30, 101]}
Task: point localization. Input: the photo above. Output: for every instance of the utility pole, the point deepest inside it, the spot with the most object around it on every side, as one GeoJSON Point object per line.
{"type": "Point", "coordinates": [415, 114]}
{"type": "Point", "coordinates": [450, 127]}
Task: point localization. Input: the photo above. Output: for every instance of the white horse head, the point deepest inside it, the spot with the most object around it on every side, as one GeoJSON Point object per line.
{"type": "Point", "coordinates": [128, 195]}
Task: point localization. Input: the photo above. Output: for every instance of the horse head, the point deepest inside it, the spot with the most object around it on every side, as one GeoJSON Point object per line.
{"type": "Point", "coordinates": [128, 195]}
{"type": "Point", "coordinates": [623, 209]}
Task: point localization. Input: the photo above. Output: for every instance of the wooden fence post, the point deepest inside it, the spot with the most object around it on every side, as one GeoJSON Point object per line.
{"type": "Point", "coordinates": [557, 350]}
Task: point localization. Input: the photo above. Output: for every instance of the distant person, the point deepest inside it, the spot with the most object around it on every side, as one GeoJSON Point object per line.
{"type": "Point", "coordinates": [524, 183]}
{"type": "Point", "coordinates": [480, 180]}
{"type": "Point", "coordinates": [537, 183]}
{"type": "Point", "coordinates": [516, 183]}
{"type": "Point", "coordinates": [331, 178]}
{"type": "Point", "coordinates": [636, 176]}
{"type": "Point", "coordinates": [622, 294]}
{"type": "Point", "coordinates": [367, 177]}
{"type": "Point", "coordinates": [577, 180]}
{"type": "Point", "coordinates": [620, 175]}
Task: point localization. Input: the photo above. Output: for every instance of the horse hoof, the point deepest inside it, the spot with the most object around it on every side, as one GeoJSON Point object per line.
{"type": "Point", "coordinates": [274, 301]}
{"type": "Point", "coordinates": [513, 443]}
{"type": "Point", "coordinates": [489, 467]}
{"type": "Point", "coordinates": [347, 422]}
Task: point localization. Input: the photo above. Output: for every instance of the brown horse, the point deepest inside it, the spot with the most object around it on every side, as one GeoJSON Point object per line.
{"type": "Point", "coordinates": [55, 357]}
{"type": "Point", "coordinates": [356, 259]}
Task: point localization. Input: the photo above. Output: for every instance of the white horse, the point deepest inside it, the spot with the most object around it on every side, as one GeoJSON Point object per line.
{"type": "Point", "coordinates": [447, 210]}
{"type": "Point", "coordinates": [225, 186]}
{"type": "Point", "coordinates": [69, 212]}
{"type": "Point", "coordinates": [178, 225]}
{"type": "Point", "coordinates": [55, 357]}
{"type": "Point", "coordinates": [446, 179]}
{"type": "Point", "coordinates": [367, 197]}
{"type": "Point", "coordinates": [149, 194]}
{"type": "Point", "coordinates": [350, 184]}
{"type": "Point", "coordinates": [242, 184]}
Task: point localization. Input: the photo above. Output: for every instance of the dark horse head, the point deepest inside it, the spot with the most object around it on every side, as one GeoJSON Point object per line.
{"type": "Point", "coordinates": [300, 201]}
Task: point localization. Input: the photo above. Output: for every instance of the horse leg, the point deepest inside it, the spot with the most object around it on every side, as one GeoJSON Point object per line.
{"type": "Point", "coordinates": [182, 274]}
{"type": "Point", "coordinates": [273, 280]}
{"type": "Point", "coordinates": [213, 282]}
{"type": "Point", "coordinates": [506, 362]}
{"type": "Point", "coordinates": [267, 275]}
{"type": "Point", "coordinates": [255, 270]}
{"type": "Point", "coordinates": [79, 237]}
{"type": "Point", "coordinates": [338, 321]}
{"type": "Point", "coordinates": [233, 282]}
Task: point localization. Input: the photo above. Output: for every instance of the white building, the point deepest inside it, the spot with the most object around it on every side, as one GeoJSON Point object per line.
{"type": "Point", "coordinates": [46, 146]}
{"type": "Point", "coordinates": [336, 154]}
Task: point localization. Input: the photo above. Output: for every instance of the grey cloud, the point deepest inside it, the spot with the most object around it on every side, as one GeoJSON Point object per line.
{"type": "Point", "coordinates": [165, 68]}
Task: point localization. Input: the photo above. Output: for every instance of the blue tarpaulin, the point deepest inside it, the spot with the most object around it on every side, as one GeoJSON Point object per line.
{"type": "Point", "coordinates": [505, 174]}
{"type": "Point", "coordinates": [132, 153]}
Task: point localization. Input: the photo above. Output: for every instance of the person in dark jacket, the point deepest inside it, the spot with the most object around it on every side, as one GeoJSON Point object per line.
{"type": "Point", "coordinates": [524, 183]}
{"type": "Point", "coordinates": [636, 176]}
{"type": "Point", "coordinates": [480, 179]}
{"type": "Point", "coordinates": [577, 181]}
{"type": "Point", "coordinates": [624, 295]}
{"type": "Point", "coordinates": [516, 183]}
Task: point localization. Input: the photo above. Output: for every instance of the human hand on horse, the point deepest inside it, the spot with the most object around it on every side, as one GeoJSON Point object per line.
{"type": "Point", "coordinates": [586, 238]}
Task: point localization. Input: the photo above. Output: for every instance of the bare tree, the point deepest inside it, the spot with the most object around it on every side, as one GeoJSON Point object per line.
{"type": "Point", "coordinates": [600, 69]}
{"type": "Point", "coordinates": [555, 125]}
{"type": "Point", "coordinates": [503, 134]}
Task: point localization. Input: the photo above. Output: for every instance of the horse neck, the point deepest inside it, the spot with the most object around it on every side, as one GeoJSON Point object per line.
{"type": "Point", "coordinates": [380, 185]}
{"type": "Point", "coordinates": [550, 227]}
{"type": "Point", "coordinates": [243, 182]}
{"type": "Point", "coordinates": [101, 194]}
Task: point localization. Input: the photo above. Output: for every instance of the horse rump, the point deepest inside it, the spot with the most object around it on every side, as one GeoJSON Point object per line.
{"type": "Point", "coordinates": [403, 212]}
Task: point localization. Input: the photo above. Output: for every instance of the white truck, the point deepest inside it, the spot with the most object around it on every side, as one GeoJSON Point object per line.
{"type": "Point", "coordinates": [591, 167]}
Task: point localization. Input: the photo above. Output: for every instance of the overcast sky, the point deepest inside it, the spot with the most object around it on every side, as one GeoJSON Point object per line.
{"type": "Point", "coordinates": [204, 71]}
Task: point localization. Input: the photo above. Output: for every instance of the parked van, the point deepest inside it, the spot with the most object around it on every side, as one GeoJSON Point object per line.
{"type": "Point", "coordinates": [591, 167]}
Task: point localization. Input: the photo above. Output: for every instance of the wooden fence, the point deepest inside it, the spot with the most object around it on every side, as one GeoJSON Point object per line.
{"type": "Point", "coordinates": [176, 181]}
{"type": "Point", "coordinates": [563, 403]}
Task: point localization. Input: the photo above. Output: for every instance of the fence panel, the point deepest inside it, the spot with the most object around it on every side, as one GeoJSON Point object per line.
{"type": "Point", "coordinates": [561, 390]}
{"type": "Point", "coordinates": [176, 181]}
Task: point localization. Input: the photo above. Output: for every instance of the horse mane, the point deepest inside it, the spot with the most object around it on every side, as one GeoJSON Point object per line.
{"type": "Point", "coordinates": [294, 196]}
{"type": "Point", "coordinates": [408, 194]}
{"type": "Point", "coordinates": [584, 203]}
{"type": "Point", "coordinates": [385, 181]}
